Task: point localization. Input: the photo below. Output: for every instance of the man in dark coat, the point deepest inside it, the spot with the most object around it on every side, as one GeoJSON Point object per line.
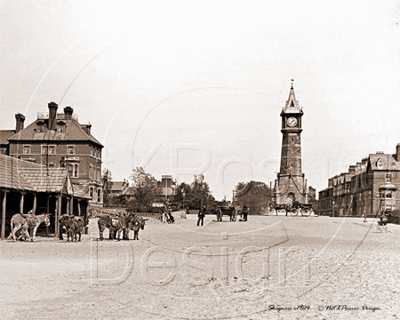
{"type": "Point", "coordinates": [245, 212]}
{"type": "Point", "coordinates": [200, 216]}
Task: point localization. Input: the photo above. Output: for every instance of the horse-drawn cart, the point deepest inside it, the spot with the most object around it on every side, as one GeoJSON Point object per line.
{"type": "Point", "coordinates": [294, 209]}
{"type": "Point", "coordinates": [228, 211]}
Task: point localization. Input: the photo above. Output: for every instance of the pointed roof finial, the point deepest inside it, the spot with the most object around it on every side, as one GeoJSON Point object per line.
{"type": "Point", "coordinates": [292, 105]}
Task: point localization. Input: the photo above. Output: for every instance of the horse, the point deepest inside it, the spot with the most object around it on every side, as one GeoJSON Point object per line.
{"type": "Point", "coordinates": [25, 221]}
{"type": "Point", "coordinates": [230, 211]}
{"type": "Point", "coordinates": [277, 207]}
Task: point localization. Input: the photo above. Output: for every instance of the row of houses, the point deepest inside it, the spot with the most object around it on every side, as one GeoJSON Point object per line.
{"type": "Point", "coordinates": [367, 188]}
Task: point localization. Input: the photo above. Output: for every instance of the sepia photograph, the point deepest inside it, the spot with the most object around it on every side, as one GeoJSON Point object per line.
{"type": "Point", "coordinates": [199, 159]}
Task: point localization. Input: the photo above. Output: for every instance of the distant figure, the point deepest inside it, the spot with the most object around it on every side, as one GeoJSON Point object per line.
{"type": "Point", "coordinates": [245, 212]}
{"type": "Point", "coordinates": [201, 215]}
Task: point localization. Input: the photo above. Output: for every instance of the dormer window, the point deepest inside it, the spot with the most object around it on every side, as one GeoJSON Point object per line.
{"type": "Point", "coordinates": [61, 126]}
{"type": "Point", "coordinates": [40, 126]}
{"type": "Point", "coordinates": [379, 163]}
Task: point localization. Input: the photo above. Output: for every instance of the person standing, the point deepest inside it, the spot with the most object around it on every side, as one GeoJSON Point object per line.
{"type": "Point", "coordinates": [200, 216]}
{"type": "Point", "coordinates": [245, 212]}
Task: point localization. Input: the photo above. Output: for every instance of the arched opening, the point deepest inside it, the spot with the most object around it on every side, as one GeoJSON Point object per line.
{"type": "Point", "coordinates": [290, 198]}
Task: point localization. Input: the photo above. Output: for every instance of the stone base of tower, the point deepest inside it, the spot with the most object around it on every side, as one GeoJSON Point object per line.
{"type": "Point", "coordinates": [289, 188]}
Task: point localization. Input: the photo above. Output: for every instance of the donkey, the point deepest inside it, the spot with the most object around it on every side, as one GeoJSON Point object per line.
{"type": "Point", "coordinates": [29, 220]}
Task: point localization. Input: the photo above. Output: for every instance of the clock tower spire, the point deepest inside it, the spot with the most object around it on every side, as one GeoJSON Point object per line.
{"type": "Point", "coordinates": [290, 185]}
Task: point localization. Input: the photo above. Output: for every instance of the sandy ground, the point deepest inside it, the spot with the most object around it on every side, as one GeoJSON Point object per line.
{"type": "Point", "coordinates": [273, 267]}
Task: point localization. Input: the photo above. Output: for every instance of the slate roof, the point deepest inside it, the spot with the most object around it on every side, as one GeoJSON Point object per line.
{"type": "Point", "coordinates": [118, 185]}
{"type": "Point", "coordinates": [5, 134]}
{"type": "Point", "coordinates": [45, 179]}
{"type": "Point", "coordinates": [16, 174]}
{"type": "Point", "coordinates": [10, 176]}
{"type": "Point", "coordinates": [73, 132]}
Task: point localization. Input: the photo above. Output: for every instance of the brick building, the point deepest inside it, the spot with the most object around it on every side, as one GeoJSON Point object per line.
{"type": "Point", "coordinates": [370, 186]}
{"type": "Point", "coordinates": [59, 140]}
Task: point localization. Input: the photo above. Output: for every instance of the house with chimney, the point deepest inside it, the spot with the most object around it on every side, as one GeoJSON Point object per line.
{"type": "Point", "coordinates": [58, 140]}
{"type": "Point", "coordinates": [368, 188]}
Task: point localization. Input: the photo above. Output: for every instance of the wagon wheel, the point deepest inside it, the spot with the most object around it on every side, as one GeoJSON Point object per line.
{"type": "Point", "coordinates": [306, 212]}
{"type": "Point", "coordinates": [294, 212]}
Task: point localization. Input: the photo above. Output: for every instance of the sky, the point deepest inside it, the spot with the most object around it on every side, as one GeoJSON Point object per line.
{"type": "Point", "coordinates": [190, 87]}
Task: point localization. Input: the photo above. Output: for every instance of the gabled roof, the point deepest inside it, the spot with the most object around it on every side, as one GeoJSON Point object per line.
{"type": "Point", "coordinates": [81, 192]}
{"type": "Point", "coordinates": [292, 105]}
{"type": "Point", "coordinates": [5, 135]}
{"type": "Point", "coordinates": [129, 191]}
{"type": "Point", "coordinates": [118, 185]}
{"type": "Point", "coordinates": [387, 162]}
{"type": "Point", "coordinates": [73, 132]}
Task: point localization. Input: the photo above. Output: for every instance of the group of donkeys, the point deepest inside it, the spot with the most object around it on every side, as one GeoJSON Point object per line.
{"type": "Point", "coordinates": [121, 226]}
{"type": "Point", "coordinates": [74, 226]}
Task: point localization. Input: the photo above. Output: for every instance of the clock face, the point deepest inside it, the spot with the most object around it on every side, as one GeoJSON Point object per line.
{"type": "Point", "coordinates": [291, 122]}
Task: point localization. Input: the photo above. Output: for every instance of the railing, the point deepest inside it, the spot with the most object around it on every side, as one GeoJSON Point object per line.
{"type": "Point", "coordinates": [45, 115]}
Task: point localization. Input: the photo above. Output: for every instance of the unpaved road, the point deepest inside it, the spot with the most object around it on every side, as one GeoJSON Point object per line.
{"type": "Point", "coordinates": [224, 270]}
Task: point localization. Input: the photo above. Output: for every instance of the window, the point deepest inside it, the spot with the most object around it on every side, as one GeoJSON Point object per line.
{"type": "Point", "coordinates": [51, 164]}
{"type": "Point", "coordinates": [52, 150]}
{"type": "Point", "coordinates": [90, 172]}
{"type": "Point", "coordinates": [389, 195]}
{"type": "Point", "coordinates": [388, 178]}
{"type": "Point", "coordinates": [27, 149]}
{"type": "Point", "coordinates": [44, 149]}
{"type": "Point", "coordinates": [70, 149]}
{"type": "Point", "coordinates": [98, 195]}
{"type": "Point", "coordinates": [91, 192]}
{"type": "Point", "coordinates": [73, 170]}
{"type": "Point", "coordinates": [61, 126]}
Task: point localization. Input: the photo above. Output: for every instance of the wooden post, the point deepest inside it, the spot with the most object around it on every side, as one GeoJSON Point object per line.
{"type": "Point", "coordinates": [71, 204]}
{"type": "Point", "coordinates": [21, 202]}
{"type": "Point", "coordinates": [79, 207]}
{"type": "Point", "coordinates": [34, 203]}
{"type": "Point", "coordinates": [47, 212]}
{"type": "Point", "coordinates": [3, 215]}
{"type": "Point", "coordinates": [58, 214]}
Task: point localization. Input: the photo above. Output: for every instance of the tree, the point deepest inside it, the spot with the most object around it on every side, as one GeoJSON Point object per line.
{"type": "Point", "coordinates": [200, 193]}
{"type": "Point", "coordinates": [254, 195]}
{"type": "Point", "coordinates": [107, 185]}
{"type": "Point", "coordinates": [145, 186]}
{"type": "Point", "coordinates": [183, 193]}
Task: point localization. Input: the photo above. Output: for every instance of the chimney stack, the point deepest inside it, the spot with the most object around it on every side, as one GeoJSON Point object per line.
{"type": "Point", "coordinates": [52, 115]}
{"type": "Point", "coordinates": [19, 122]}
{"type": "Point", "coordinates": [352, 170]}
{"type": "Point", "coordinates": [398, 152]}
{"type": "Point", "coordinates": [68, 113]}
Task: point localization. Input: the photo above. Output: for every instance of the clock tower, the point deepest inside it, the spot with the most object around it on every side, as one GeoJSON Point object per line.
{"type": "Point", "coordinates": [290, 185]}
